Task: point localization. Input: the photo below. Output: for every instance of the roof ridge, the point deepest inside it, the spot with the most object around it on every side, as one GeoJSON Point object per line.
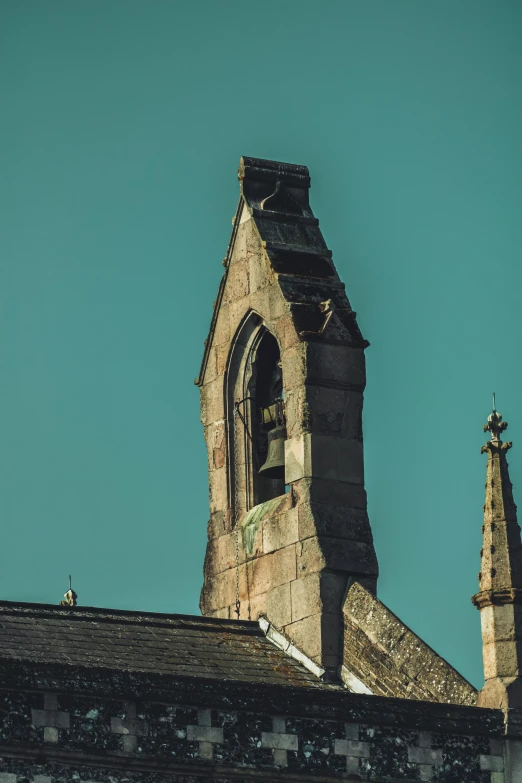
{"type": "Point", "coordinates": [127, 615]}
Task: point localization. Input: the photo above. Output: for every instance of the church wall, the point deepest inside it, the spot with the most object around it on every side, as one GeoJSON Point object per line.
{"type": "Point", "coordinates": [57, 737]}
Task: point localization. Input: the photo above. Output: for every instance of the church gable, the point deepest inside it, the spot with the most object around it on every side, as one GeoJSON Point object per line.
{"type": "Point", "coordinates": [388, 659]}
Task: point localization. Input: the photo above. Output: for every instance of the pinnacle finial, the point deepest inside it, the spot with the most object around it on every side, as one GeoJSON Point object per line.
{"type": "Point", "coordinates": [495, 425]}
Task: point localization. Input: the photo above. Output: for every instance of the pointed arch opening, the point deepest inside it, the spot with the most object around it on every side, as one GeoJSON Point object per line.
{"type": "Point", "coordinates": [256, 428]}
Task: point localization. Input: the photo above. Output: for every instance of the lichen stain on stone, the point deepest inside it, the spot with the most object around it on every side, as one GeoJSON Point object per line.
{"type": "Point", "coordinates": [253, 519]}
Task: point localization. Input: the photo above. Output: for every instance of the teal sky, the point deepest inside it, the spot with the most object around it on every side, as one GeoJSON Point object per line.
{"type": "Point", "coordinates": [122, 127]}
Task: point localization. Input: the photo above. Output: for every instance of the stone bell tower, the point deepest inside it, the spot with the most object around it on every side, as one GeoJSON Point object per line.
{"type": "Point", "coordinates": [282, 384]}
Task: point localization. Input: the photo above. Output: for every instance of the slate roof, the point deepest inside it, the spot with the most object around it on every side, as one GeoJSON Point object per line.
{"type": "Point", "coordinates": [171, 645]}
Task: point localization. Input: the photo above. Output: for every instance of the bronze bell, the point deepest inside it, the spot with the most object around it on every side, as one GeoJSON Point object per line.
{"type": "Point", "coordinates": [274, 467]}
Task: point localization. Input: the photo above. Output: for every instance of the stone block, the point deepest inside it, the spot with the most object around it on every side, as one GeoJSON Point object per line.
{"type": "Point", "coordinates": [297, 412]}
{"type": "Point", "coordinates": [223, 613]}
{"type": "Point", "coordinates": [333, 521]}
{"type": "Point", "coordinates": [333, 591]}
{"type": "Point", "coordinates": [217, 446]}
{"type": "Point", "coordinates": [498, 622]}
{"type": "Point", "coordinates": [283, 565]}
{"type": "Point", "coordinates": [218, 490]}
{"type": "Point", "coordinates": [310, 455]}
{"type": "Point", "coordinates": [380, 625]}
{"type": "Point", "coordinates": [278, 605]}
{"type": "Point", "coordinates": [259, 575]}
{"type": "Point", "coordinates": [253, 240]}
{"type": "Point", "coordinates": [51, 734]}
{"type": "Point", "coordinates": [280, 531]}
{"type": "Point", "coordinates": [336, 554]}
{"type": "Point", "coordinates": [52, 718]}
{"type": "Point", "coordinates": [237, 285]}
{"type": "Point", "coordinates": [319, 636]}
{"type": "Point", "coordinates": [259, 304]}
{"type": "Point", "coordinates": [336, 364]}
{"type": "Point", "coordinates": [293, 361]}
{"type": "Point", "coordinates": [217, 525]}
{"type": "Point", "coordinates": [500, 659]}
{"type": "Point", "coordinates": [335, 411]}
{"type": "Point", "coordinates": [492, 763]}
{"type": "Point", "coordinates": [252, 532]}
{"type": "Point", "coordinates": [257, 608]}
{"type": "Point", "coordinates": [285, 331]}
{"type": "Point", "coordinates": [221, 554]}
{"type": "Point", "coordinates": [350, 462]}
{"type": "Point", "coordinates": [278, 306]}
{"type": "Point", "coordinates": [351, 731]}
{"type": "Point", "coordinates": [306, 597]}
{"type": "Point", "coordinates": [272, 570]}
{"type": "Point", "coordinates": [409, 656]}
{"type": "Point", "coordinates": [332, 493]}
{"type": "Point", "coordinates": [205, 734]}
{"type": "Point", "coordinates": [222, 327]}
{"type": "Point", "coordinates": [238, 309]}
{"type": "Point", "coordinates": [351, 426]}
{"type": "Point", "coordinates": [212, 404]}
{"type": "Point", "coordinates": [219, 591]}
{"type": "Point", "coordinates": [221, 357]}
{"type": "Point", "coordinates": [50, 701]}
{"type": "Point", "coordinates": [259, 272]}
{"type": "Point", "coordinates": [278, 741]}
{"type": "Point", "coordinates": [331, 638]}
{"type": "Point", "coordinates": [345, 747]}
{"type": "Point", "coordinates": [239, 251]}
{"type": "Point", "coordinates": [306, 635]}
{"type": "Point", "coordinates": [297, 459]}
{"type": "Point", "coordinates": [425, 756]}
{"type": "Point", "coordinates": [129, 726]}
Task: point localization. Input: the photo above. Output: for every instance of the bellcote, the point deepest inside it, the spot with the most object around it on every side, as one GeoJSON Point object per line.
{"type": "Point", "coordinates": [282, 383]}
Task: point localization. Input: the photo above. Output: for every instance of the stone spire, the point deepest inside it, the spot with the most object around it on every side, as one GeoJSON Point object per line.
{"type": "Point", "coordinates": [500, 580]}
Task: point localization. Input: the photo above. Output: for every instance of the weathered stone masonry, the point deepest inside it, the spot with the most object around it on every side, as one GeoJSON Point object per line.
{"type": "Point", "coordinates": [90, 694]}
{"type": "Point", "coordinates": [335, 742]}
{"type": "Point", "coordinates": [296, 551]}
